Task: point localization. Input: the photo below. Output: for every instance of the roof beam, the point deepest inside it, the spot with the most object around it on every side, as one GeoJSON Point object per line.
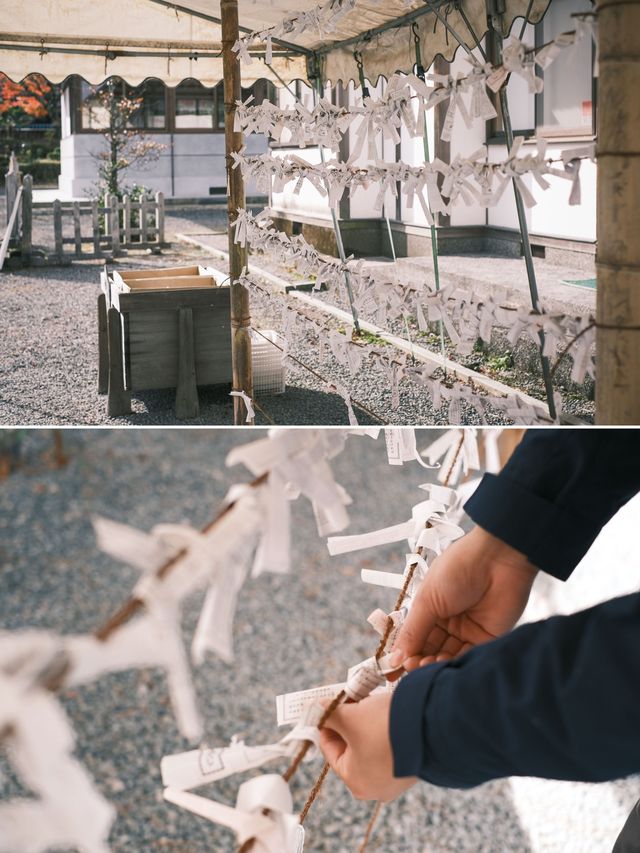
{"type": "Point", "coordinates": [177, 7]}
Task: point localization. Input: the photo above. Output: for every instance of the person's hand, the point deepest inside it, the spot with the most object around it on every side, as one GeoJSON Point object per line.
{"type": "Point", "coordinates": [473, 592]}
{"type": "Point", "coordinates": [355, 743]}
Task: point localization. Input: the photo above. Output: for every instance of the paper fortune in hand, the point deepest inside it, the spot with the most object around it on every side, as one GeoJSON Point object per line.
{"type": "Point", "coordinates": [68, 811]}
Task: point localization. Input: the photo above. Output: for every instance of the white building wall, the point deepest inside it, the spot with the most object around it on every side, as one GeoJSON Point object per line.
{"type": "Point", "coordinates": [198, 163]}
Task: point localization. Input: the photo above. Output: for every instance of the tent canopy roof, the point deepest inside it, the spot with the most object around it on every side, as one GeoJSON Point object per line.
{"type": "Point", "coordinates": [138, 39]}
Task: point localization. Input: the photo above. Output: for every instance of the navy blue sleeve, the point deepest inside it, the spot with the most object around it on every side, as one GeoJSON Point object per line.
{"type": "Point", "coordinates": [557, 491]}
{"type": "Point", "coordinates": [559, 699]}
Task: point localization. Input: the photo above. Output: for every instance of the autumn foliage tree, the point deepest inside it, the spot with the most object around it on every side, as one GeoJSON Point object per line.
{"type": "Point", "coordinates": [33, 98]}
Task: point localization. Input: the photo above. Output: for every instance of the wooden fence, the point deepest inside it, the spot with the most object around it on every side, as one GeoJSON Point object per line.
{"type": "Point", "coordinates": [110, 228]}
{"type": "Point", "coordinates": [98, 230]}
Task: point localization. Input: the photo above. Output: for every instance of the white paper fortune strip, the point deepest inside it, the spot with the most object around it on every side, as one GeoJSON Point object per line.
{"type": "Point", "coordinates": [291, 706]}
{"type": "Point", "coordinates": [67, 810]}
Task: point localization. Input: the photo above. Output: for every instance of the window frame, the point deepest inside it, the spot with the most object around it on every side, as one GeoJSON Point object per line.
{"type": "Point", "coordinates": [77, 101]}
{"type": "Point", "coordinates": [560, 134]}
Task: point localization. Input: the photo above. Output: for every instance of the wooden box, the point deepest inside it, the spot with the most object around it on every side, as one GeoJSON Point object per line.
{"type": "Point", "coordinates": [163, 329]}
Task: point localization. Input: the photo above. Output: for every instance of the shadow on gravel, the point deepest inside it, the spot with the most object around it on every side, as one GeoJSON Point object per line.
{"type": "Point", "coordinates": [297, 406]}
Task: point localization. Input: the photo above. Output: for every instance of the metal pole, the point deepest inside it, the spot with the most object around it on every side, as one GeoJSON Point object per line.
{"type": "Point", "coordinates": [524, 233]}
{"type": "Point", "coordinates": [420, 73]}
{"type": "Point", "coordinates": [242, 375]}
{"type": "Point", "coordinates": [618, 257]}
{"type": "Point", "coordinates": [318, 91]}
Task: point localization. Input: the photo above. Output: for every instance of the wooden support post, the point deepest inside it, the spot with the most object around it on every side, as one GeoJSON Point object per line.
{"type": "Point", "coordinates": [187, 405]}
{"type": "Point", "coordinates": [77, 230]}
{"type": "Point", "coordinates": [160, 218]}
{"type": "Point", "coordinates": [27, 219]}
{"type": "Point", "coordinates": [103, 346]}
{"type": "Point", "coordinates": [240, 316]}
{"type": "Point", "coordinates": [95, 227]}
{"type": "Point", "coordinates": [119, 400]}
{"type": "Point", "coordinates": [57, 228]}
{"type": "Point", "coordinates": [126, 204]}
{"type": "Point", "coordinates": [618, 256]}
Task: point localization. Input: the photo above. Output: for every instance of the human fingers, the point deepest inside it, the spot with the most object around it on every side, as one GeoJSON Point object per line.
{"type": "Point", "coordinates": [333, 747]}
{"type": "Point", "coordinates": [416, 629]}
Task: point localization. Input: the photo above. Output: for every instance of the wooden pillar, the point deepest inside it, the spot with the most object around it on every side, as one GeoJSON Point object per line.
{"type": "Point", "coordinates": [240, 317]}
{"type": "Point", "coordinates": [27, 219]}
{"type": "Point", "coordinates": [618, 217]}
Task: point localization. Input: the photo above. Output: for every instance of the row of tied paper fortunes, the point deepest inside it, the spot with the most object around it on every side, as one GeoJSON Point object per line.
{"type": "Point", "coordinates": [471, 179]}
{"type": "Point", "coordinates": [456, 396]}
{"type": "Point", "coordinates": [264, 805]}
{"type": "Point", "coordinates": [405, 101]}
{"type": "Point", "coordinates": [465, 314]}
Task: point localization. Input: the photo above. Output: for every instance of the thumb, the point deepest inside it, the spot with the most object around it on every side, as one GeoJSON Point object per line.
{"type": "Point", "coordinates": [414, 633]}
{"type": "Point", "coordinates": [333, 747]}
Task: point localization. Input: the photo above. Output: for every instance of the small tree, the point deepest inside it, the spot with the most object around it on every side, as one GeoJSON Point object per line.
{"type": "Point", "coordinates": [126, 145]}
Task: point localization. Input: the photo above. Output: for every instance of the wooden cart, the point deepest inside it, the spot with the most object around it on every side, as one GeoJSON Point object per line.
{"type": "Point", "coordinates": [165, 328]}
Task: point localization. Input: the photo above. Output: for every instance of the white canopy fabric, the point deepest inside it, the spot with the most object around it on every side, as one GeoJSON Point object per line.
{"type": "Point", "coordinates": [138, 39]}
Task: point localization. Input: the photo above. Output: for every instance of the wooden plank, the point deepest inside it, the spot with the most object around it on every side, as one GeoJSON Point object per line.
{"type": "Point", "coordinates": [143, 219]}
{"type": "Point", "coordinates": [95, 227]}
{"type": "Point", "coordinates": [57, 228]}
{"type": "Point", "coordinates": [164, 300]}
{"type": "Point", "coordinates": [119, 399]}
{"type": "Point", "coordinates": [129, 275]}
{"type": "Point", "coordinates": [115, 226]}
{"type": "Point", "coordinates": [170, 283]}
{"type": "Point", "coordinates": [12, 183]}
{"type": "Point", "coordinates": [4, 248]}
{"type": "Point", "coordinates": [103, 346]}
{"type": "Point", "coordinates": [160, 217]}
{"type": "Point", "coordinates": [126, 204]}
{"type": "Point", "coordinates": [153, 348]}
{"type": "Point", "coordinates": [77, 230]}
{"type": "Point", "coordinates": [27, 214]}
{"type": "Point", "coordinates": [187, 391]}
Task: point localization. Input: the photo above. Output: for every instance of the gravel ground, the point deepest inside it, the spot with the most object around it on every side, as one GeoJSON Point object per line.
{"type": "Point", "coordinates": [48, 363]}
{"type": "Point", "coordinates": [290, 632]}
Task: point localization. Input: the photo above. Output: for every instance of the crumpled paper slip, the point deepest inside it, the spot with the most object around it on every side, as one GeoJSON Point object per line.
{"type": "Point", "coordinates": [144, 551]}
{"type": "Point", "coordinates": [68, 811]}
{"type": "Point", "coordinates": [301, 459]}
{"type": "Point", "coordinates": [277, 831]}
{"type": "Point", "coordinates": [457, 460]}
{"type": "Point", "coordinates": [414, 530]}
{"type": "Point", "coordinates": [368, 676]}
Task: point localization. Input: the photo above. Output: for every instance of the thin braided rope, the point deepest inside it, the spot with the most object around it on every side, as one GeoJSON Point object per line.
{"type": "Point", "coordinates": [372, 822]}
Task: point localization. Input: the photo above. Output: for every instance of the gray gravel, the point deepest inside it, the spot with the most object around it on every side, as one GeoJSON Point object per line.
{"type": "Point", "coordinates": [290, 632]}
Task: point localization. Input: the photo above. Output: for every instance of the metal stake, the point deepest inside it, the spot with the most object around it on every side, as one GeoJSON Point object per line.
{"type": "Point", "coordinates": [524, 233]}
{"type": "Point", "coordinates": [420, 73]}
{"type": "Point", "coordinates": [317, 93]}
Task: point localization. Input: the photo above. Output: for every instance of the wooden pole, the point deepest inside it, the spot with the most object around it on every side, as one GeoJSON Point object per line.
{"type": "Point", "coordinates": [240, 317]}
{"type": "Point", "coordinates": [618, 217]}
